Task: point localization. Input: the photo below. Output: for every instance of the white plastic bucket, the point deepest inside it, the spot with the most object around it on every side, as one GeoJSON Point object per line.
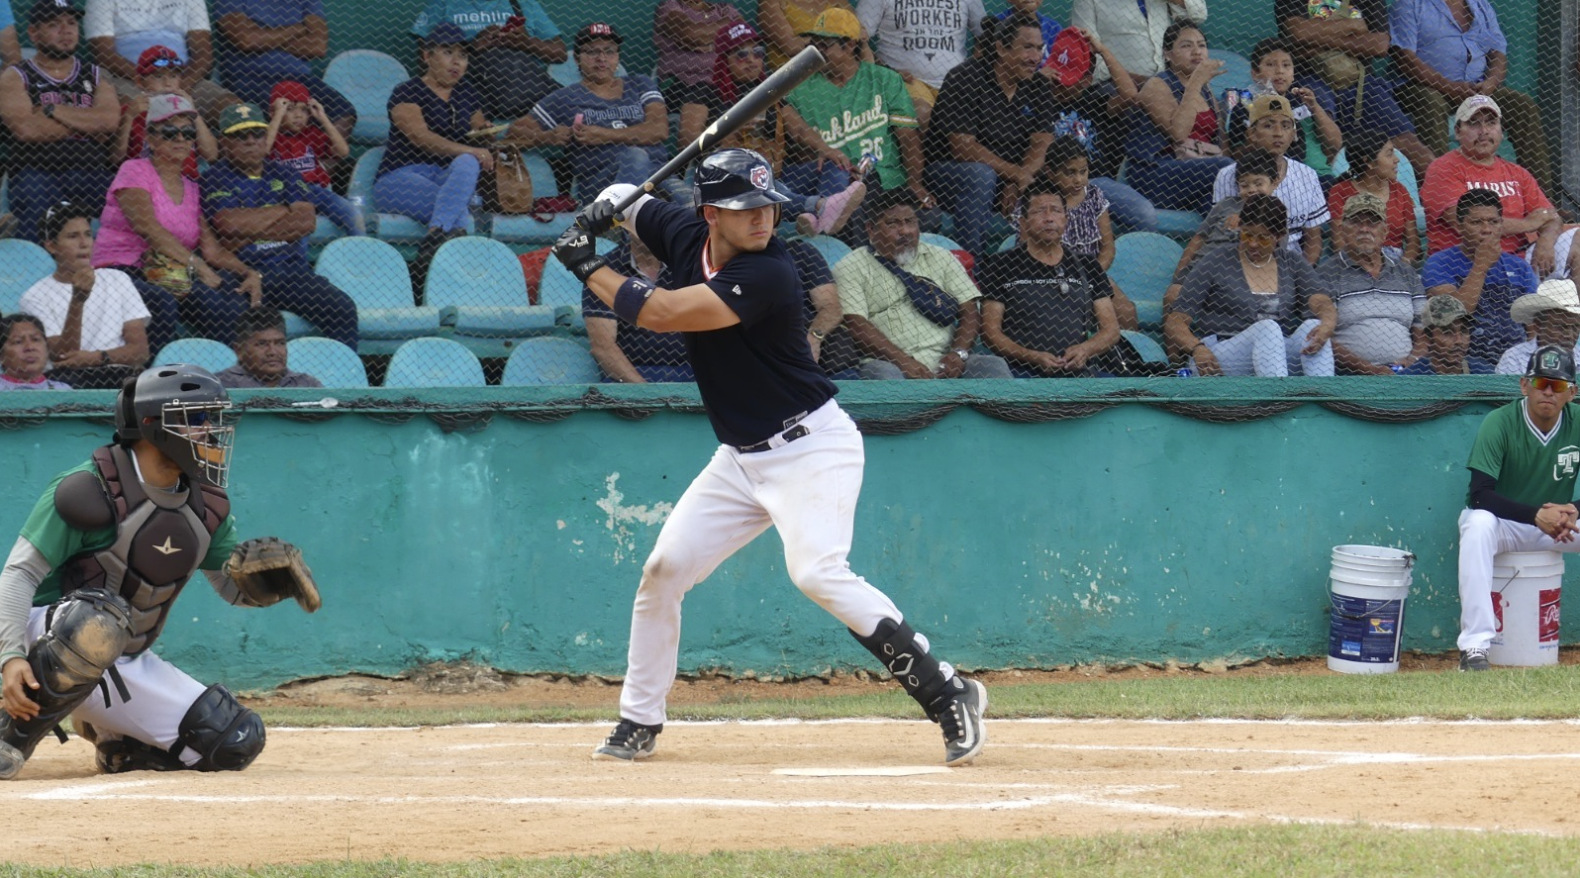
{"type": "Point", "coordinates": [1368, 585]}
{"type": "Point", "coordinates": [1526, 592]}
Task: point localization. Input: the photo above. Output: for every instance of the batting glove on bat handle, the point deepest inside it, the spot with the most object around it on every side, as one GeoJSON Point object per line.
{"type": "Point", "coordinates": [600, 217]}
{"type": "Point", "coordinates": [576, 251]}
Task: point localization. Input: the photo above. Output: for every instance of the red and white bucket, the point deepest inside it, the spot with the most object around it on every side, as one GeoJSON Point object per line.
{"type": "Point", "coordinates": [1526, 592]}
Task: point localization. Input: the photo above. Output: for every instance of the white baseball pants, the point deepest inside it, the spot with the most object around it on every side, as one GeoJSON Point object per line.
{"type": "Point", "coordinates": [808, 490]}
{"type": "Point", "coordinates": [1483, 535]}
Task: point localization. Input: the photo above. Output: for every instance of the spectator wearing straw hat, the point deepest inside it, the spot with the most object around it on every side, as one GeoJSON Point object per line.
{"type": "Point", "coordinates": [1379, 298]}
{"type": "Point", "coordinates": [1445, 327]}
{"type": "Point", "coordinates": [1553, 312]}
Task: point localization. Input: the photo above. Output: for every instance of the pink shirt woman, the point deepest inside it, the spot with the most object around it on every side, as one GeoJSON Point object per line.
{"type": "Point", "coordinates": [118, 244]}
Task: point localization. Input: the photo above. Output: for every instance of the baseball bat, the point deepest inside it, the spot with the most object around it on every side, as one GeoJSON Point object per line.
{"type": "Point", "coordinates": [768, 92]}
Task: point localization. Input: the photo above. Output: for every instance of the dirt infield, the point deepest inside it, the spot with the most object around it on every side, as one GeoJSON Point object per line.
{"type": "Point", "coordinates": [454, 793]}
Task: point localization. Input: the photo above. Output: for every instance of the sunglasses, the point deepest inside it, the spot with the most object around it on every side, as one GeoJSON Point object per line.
{"type": "Point", "coordinates": [164, 63]}
{"type": "Point", "coordinates": [1556, 385]}
{"type": "Point", "coordinates": [176, 132]}
{"type": "Point", "coordinates": [745, 52]}
{"type": "Point", "coordinates": [248, 134]}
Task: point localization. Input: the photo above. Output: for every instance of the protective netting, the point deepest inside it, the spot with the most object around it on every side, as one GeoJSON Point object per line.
{"type": "Point", "coordinates": [1142, 189]}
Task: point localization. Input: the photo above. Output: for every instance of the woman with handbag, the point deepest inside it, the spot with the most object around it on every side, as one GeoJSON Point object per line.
{"type": "Point", "coordinates": [1175, 145]}
{"type": "Point", "coordinates": [738, 67]}
{"type": "Point", "coordinates": [153, 229]}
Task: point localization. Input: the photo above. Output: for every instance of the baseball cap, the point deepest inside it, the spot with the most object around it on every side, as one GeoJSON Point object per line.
{"type": "Point", "coordinates": [58, 214]}
{"type": "Point", "coordinates": [240, 117]}
{"type": "Point", "coordinates": [1270, 105]}
{"type": "Point", "coordinates": [1474, 104]}
{"type": "Point", "coordinates": [738, 34]}
{"type": "Point", "coordinates": [841, 24]}
{"type": "Point", "coordinates": [290, 90]}
{"type": "Point", "coordinates": [445, 33]}
{"type": "Point", "coordinates": [49, 10]}
{"type": "Point", "coordinates": [162, 107]}
{"type": "Point", "coordinates": [597, 31]}
{"type": "Point", "coordinates": [1365, 202]}
{"type": "Point", "coordinates": [1554, 294]}
{"type": "Point", "coordinates": [1070, 56]}
{"type": "Point", "coordinates": [1552, 361]}
{"type": "Point", "coordinates": [1443, 310]}
{"type": "Point", "coordinates": [158, 58]}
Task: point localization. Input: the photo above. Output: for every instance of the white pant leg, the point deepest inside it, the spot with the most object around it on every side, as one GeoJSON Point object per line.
{"type": "Point", "coordinates": [160, 695]}
{"type": "Point", "coordinates": [1256, 350]}
{"type": "Point", "coordinates": [716, 516]}
{"type": "Point", "coordinates": [1317, 365]}
{"type": "Point", "coordinates": [1482, 536]}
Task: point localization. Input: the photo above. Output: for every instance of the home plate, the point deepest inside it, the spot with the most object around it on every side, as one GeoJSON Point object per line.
{"type": "Point", "coordinates": [879, 771]}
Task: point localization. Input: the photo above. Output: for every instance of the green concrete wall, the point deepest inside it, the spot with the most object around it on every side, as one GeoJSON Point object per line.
{"type": "Point", "coordinates": [1132, 534]}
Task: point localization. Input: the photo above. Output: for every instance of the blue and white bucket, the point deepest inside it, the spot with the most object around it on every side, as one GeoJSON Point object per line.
{"type": "Point", "coordinates": [1368, 585]}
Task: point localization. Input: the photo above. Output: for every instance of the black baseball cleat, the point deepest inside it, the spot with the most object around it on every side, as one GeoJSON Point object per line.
{"type": "Point", "coordinates": [11, 761]}
{"type": "Point", "coordinates": [629, 742]}
{"type": "Point", "coordinates": [961, 719]}
{"type": "Point", "coordinates": [1474, 660]}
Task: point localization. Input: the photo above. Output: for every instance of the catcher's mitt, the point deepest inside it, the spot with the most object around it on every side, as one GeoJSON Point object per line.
{"type": "Point", "coordinates": [268, 570]}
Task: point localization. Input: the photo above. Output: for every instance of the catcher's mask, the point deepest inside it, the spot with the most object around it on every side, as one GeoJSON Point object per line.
{"type": "Point", "coordinates": [180, 409]}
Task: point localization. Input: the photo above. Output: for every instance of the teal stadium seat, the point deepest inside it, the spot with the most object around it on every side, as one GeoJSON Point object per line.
{"type": "Point", "coordinates": [1236, 70]}
{"type": "Point", "coordinates": [478, 287]}
{"type": "Point", "coordinates": [375, 276]}
{"type": "Point", "coordinates": [517, 229]}
{"type": "Point", "coordinates": [550, 360]}
{"type": "Point", "coordinates": [938, 240]}
{"type": "Point", "coordinates": [433, 362]}
{"type": "Point", "coordinates": [1144, 264]}
{"type": "Point", "coordinates": [366, 78]}
{"type": "Point", "coordinates": [206, 352]}
{"type": "Point", "coordinates": [832, 248]}
{"type": "Point", "coordinates": [559, 289]}
{"type": "Point", "coordinates": [386, 226]}
{"type": "Point", "coordinates": [332, 363]}
{"type": "Point", "coordinates": [1405, 175]}
{"type": "Point", "coordinates": [22, 264]}
{"type": "Point", "coordinates": [1145, 345]}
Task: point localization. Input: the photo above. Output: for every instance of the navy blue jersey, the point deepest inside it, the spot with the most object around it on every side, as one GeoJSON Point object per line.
{"type": "Point", "coordinates": [759, 373]}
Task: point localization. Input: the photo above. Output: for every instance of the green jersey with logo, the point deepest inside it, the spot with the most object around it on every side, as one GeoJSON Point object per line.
{"type": "Point", "coordinates": [856, 118]}
{"type": "Point", "coordinates": [57, 541]}
{"type": "Point", "coordinates": [1528, 467]}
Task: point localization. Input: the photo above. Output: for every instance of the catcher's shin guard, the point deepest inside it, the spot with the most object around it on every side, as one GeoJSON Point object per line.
{"type": "Point", "coordinates": [87, 632]}
{"type": "Point", "coordinates": [896, 646]}
{"type": "Point", "coordinates": [225, 735]}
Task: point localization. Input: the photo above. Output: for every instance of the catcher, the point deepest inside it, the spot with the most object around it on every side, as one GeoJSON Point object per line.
{"type": "Point", "coordinates": [101, 560]}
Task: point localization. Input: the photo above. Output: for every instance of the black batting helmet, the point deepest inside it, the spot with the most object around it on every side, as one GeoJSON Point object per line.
{"type": "Point", "coordinates": [736, 179]}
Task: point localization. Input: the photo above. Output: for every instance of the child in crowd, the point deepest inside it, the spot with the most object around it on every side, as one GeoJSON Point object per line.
{"type": "Point", "coordinates": [1373, 167]}
{"type": "Point", "coordinates": [1273, 129]}
{"type": "Point", "coordinates": [301, 137]}
{"type": "Point", "coordinates": [1088, 230]}
{"type": "Point", "coordinates": [1254, 174]}
{"type": "Point", "coordinates": [159, 71]}
{"type": "Point", "coordinates": [1317, 139]}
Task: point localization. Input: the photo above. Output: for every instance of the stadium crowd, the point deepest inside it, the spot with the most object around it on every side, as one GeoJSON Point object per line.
{"type": "Point", "coordinates": [962, 184]}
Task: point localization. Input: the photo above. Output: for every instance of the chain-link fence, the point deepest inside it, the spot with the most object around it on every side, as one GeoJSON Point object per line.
{"type": "Point", "coordinates": [365, 194]}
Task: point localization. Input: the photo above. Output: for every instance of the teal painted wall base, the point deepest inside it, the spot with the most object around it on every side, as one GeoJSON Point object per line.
{"type": "Point", "coordinates": [1130, 534]}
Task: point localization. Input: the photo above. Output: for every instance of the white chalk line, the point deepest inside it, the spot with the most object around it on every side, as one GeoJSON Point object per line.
{"type": "Point", "coordinates": [995, 721]}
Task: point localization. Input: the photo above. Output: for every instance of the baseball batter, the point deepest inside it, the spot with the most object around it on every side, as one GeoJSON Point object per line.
{"type": "Point", "coordinates": [1522, 485]}
{"type": "Point", "coordinates": [90, 582]}
{"type": "Point", "coordinates": [790, 457]}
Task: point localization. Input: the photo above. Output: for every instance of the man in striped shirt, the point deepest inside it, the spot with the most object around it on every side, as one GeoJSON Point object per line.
{"type": "Point", "coordinates": [1273, 129]}
{"type": "Point", "coordinates": [1379, 298]}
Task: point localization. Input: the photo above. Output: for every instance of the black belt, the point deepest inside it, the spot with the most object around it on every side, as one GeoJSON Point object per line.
{"type": "Point", "coordinates": [793, 430]}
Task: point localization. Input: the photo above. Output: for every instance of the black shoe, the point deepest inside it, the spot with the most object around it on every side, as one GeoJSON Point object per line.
{"type": "Point", "coordinates": [961, 720]}
{"type": "Point", "coordinates": [1474, 660]}
{"type": "Point", "coordinates": [629, 741]}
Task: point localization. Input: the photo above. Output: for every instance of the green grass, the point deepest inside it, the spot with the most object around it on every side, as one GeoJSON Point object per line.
{"type": "Point", "coordinates": [1536, 693]}
{"type": "Point", "coordinates": [1252, 852]}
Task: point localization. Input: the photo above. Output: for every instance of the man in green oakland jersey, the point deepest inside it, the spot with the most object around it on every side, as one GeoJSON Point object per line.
{"type": "Point", "coordinates": [1522, 485]}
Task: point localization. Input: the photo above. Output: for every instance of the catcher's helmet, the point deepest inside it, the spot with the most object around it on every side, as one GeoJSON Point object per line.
{"type": "Point", "coordinates": [179, 409]}
{"type": "Point", "coordinates": [736, 179]}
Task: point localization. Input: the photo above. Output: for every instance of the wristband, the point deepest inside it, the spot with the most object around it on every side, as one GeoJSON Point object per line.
{"type": "Point", "coordinates": [817, 335]}
{"type": "Point", "coordinates": [631, 298]}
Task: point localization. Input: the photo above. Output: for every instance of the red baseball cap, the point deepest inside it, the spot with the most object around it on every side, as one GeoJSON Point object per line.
{"type": "Point", "coordinates": [292, 91]}
{"type": "Point", "coordinates": [158, 58]}
{"type": "Point", "coordinates": [1070, 56]}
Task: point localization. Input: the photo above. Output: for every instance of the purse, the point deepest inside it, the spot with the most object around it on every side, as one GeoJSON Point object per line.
{"type": "Point", "coordinates": [164, 272]}
{"type": "Point", "coordinates": [510, 192]}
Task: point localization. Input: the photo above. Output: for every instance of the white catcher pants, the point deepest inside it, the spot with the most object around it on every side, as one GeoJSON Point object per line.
{"type": "Point", "coordinates": [1483, 535]}
{"type": "Point", "coordinates": [807, 489]}
{"type": "Point", "coordinates": [161, 694]}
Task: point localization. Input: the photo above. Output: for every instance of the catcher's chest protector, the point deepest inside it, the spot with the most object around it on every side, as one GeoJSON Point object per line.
{"type": "Point", "coordinates": [160, 540]}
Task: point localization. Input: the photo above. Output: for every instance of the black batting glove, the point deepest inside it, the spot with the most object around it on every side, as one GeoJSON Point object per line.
{"type": "Point", "coordinates": [600, 217]}
{"type": "Point", "coordinates": [576, 251]}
